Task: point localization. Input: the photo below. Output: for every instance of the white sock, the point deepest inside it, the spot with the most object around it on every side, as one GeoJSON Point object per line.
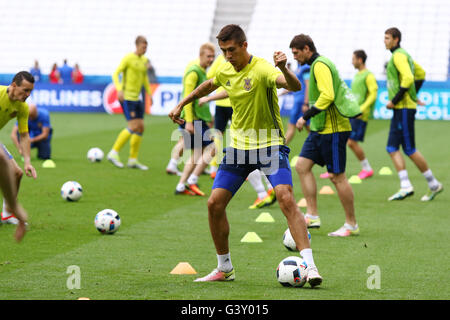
{"type": "Point", "coordinates": [193, 179]}
{"type": "Point", "coordinates": [213, 168]}
{"type": "Point", "coordinates": [180, 187]}
{"type": "Point", "coordinates": [306, 254]}
{"type": "Point", "coordinates": [433, 184]}
{"type": "Point", "coordinates": [350, 227]}
{"type": "Point", "coordinates": [113, 152]}
{"type": "Point", "coordinates": [404, 180]}
{"type": "Point", "coordinates": [269, 185]}
{"type": "Point", "coordinates": [311, 216]}
{"type": "Point", "coordinates": [365, 165]}
{"type": "Point", "coordinates": [224, 262]}
{"type": "Point", "coordinates": [255, 180]}
{"type": "Point", "coordinates": [5, 214]}
{"type": "Point", "coordinates": [172, 164]}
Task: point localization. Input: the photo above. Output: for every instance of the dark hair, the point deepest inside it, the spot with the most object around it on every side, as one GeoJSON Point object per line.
{"type": "Point", "coordinates": [361, 55]}
{"type": "Point", "coordinates": [23, 75]}
{"type": "Point", "coordinates": [302, 40]}
{"type": "Point", "coordinates": [395, 33]}
{"type": "Point", "coordinates": [232, 32]}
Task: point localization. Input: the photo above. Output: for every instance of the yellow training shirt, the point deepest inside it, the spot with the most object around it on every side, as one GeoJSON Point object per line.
{"type": "Point", "coordinates": [334, 121]}
{"type": "Point", "coordinates": [372, 91]}
{"type": "Point", "coordinates": [134, 75]}
{"type": "Point", "coordinates": [256, 121]}
{"type": "Point", "coordinates": [220, 60]}
{"type": "Point", "coordinates": [13, 109]}
{"type": "Point", "coordinates": [419, 72]}
{"type": "Point", "coordinates": [406, 78]}
{"type": "Point", "coordinates": [190, 83]}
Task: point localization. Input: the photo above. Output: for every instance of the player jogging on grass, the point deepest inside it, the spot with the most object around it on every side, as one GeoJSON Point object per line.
{"type": "Point", "coordinates": [133, 69]}
{"type": "Point", "coordinates": [13, 105]}
{"type": "Point", "coordinates": [257, 142]}
{"type": "Point", "coordinates": [402, 93]}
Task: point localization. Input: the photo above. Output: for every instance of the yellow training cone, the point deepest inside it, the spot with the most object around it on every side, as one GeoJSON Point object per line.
{"type": "Point", "coordinates": [48, 164]}
{"type": "Point", "coordinates": [326, 190]}
{"type": "Point", "coordinates": [183, 268]}
{"type": "Point", "coordinates": [385, 171]}
{"type": "Point", "coordinates": [294, 161]}
{"type": "Point", "coordinates": [355, 180]}
{"type": "Point", "coordinates": [251, 237]}
{"type": "Point", "coordinates": [302, 203]}
{"type": "Point", "coordinates": [265, 217]}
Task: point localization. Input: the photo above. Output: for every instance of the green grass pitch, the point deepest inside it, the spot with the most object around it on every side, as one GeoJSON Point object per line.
{"type": "Point", "coordinates": [407, 240]}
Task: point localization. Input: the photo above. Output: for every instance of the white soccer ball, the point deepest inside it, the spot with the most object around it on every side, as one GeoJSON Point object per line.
{"type": "Point", "coordinates": [107, 221]}
{"type": "Point", "coordinates": [71, 191]}
{"type": "Point", "coordinates": [95, 155]}
{"type": "Point", "coordinates": [291, 272]}
{"type": "Point", "coordinates": [289, 242]}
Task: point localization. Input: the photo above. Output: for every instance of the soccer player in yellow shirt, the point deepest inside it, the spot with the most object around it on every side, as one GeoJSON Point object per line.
{"type": "Point", "coordinates": [365, 89]}
{"type": "Point", "coordinates": [402, 93]}
{"type": "Point", "coordinates": [133, 69]}
{"type": "Point", "coordinates": [257, 142]}
{"type": "Point", "coordinates": [12, 104]}
{"type": "Point", "coordinates": [327, 141]}
{"type": "Point", "coordinates": [223, 115]}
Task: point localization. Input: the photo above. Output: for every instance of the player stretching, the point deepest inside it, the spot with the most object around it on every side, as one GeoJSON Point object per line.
{"type": "Point", "coordinates": [365, 89]}
{"type": "Point", "coordinates": [12, 104]}
{"type": "Point", "coordinates": [133, 68]}
{"type": "Point", "coordinates": [327, 142]}
{"type": "Point", "coordinates": [257, 142]}
{"type": "Point", "coordinates": [403, 100]}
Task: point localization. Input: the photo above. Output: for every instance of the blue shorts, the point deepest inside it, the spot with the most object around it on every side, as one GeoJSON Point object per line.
{"type": "Point", "coordinates": [133, 109]}
{"type": "Point", "coordinates": [8, 154]}
{"type": "Point", "coordinates": [296, 112]}
{"type": "Point", "coordinates": [358, 129]}
{"type": "Point", "coordinates": [221, 118]}
{"type": "Point", "coordinates": [327, 149]}
{"type": "Point", "coordinates": [44, 147]}
{"type": "Point", "coordinates": [194, 141]}
{"type": "Point", "coordinates": [402, 131]}
{"type": "Point", "coordinates": [237, 164]}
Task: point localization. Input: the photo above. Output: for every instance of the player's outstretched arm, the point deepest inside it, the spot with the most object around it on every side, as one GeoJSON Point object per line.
{"type": "Point", "coordinates": [202, 90]}
{"type": "Point", "coordinates": [15, 139]}
{"type": "Point", "coordinates": [288, 80]}
{"type": "Point", "coordinates": [25, 146]}
{"type": "Point", "coordinates": [218, 96]}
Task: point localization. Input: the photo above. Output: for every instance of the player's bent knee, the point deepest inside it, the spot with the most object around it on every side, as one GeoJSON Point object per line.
{"type": "Point", "coordinates": [285, 197]}
{"type": "Point", "coordinates": [337, 177]}
{"type": "Point", "coordinates": [215, 205]}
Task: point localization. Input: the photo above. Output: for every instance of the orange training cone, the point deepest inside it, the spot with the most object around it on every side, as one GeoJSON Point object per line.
{"type": "Point", "coordinates": [302, 203]}
{"type": "Point", "coordinates": [326, 190]}
{"type": "Point", "coordinates": [183, 268]}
